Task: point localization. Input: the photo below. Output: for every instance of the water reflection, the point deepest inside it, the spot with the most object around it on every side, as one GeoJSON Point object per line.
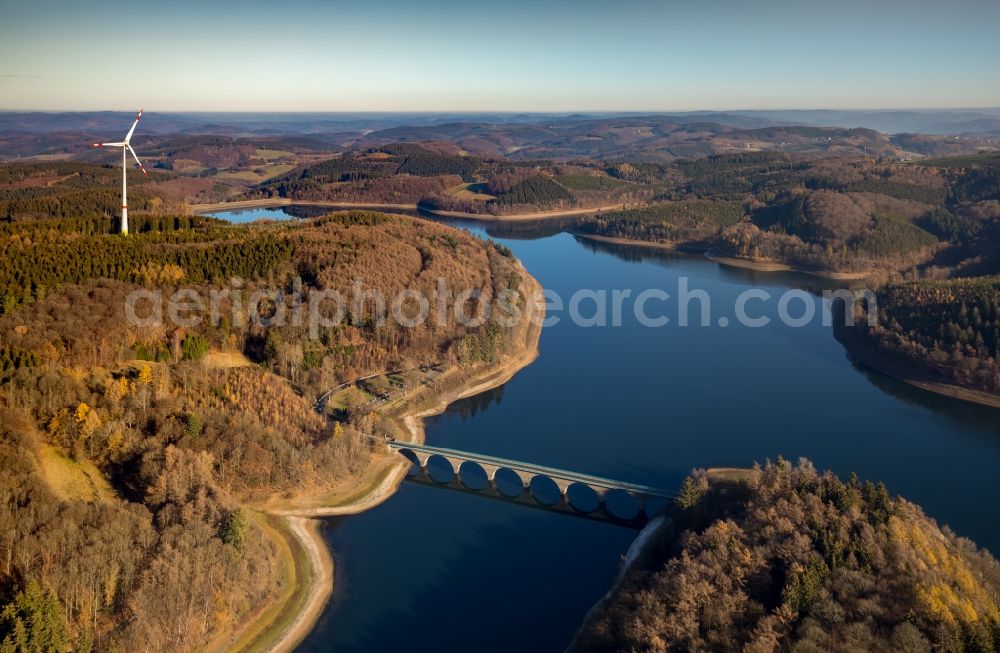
{"type": "Point", "coordinates": [531, 229]}
{"type": "Point", "coordinates": [974, 416]}
{"type": "Point", "coordinates": [641, 254]}
{"type": "Point", "coordinates": [305, 212]}
{"type": "Point", "coordinates": [469, 407]}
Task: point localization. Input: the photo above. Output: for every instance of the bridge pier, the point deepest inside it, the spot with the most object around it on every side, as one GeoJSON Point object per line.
{"type": "Point", "coordinates": [640, 502]}
{"type": "Point", "coordinates": [491, 476]}
{"type": "Point", "coordinates": [525, 479]}
{"type": "Point", "coordinates": [456, 470]}
{"type": "Point", "coordinates": [563, 486]}
{"type": "Point", "coordinates": [602, 496]}
{"type": "Point", "coordinates": [422, 460]}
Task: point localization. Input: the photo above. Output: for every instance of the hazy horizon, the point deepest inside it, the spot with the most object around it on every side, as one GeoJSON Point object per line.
{"type": "Point", "coordinates": [511, 112]}
{"type": "Point", "coordinates": [445, 56]}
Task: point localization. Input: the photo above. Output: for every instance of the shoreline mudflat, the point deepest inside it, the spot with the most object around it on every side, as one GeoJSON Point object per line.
{"type": "Point", "coordinates": [757, 266]}
{"type": "Point", "coordinates": [628, 241]}
{"type": "Point", "coordinates": [537, 215]}
{"type": "Point", "coordinates": [778, 266]}
{"type": "Point", "coordinates": [283, 631]}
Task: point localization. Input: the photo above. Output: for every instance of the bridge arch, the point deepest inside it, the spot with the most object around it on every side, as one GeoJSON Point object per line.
{"type": "Point", "coordinates": [473, 476]}
{"type": "Point", "coordinates": [440, 469]}
{"type": "Point", "coordinates": [582, 498]}
{"type": "Point", "coordinates": [508, 482]}
{"type": "Point", "coordinates": [544, 490]}
{"type": "Point", "coordinates": [622, 504]}
{"type": "Point", "coordinates": [416, 467]}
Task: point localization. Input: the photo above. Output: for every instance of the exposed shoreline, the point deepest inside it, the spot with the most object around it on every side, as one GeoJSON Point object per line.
{"type": "Point", "coordinates": [635, 550]}
{"type": "Point", "coordinates": [537, 215]}
{"type": "Point", "coordinates": [239, 205]}
{"type": "Point", "coordinates": [747, 264]}
{"type": "Point", "coordinates": [868, 357]}
{"type": "Point", "coordinates": [778, 266]}
{"type": "Point", "coordinates": [300, 516]}
{"type": "Point", "coordinates": [628, 241]}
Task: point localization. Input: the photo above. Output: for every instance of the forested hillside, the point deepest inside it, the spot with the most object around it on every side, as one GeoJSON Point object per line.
{"type": "Point", "coordinates": [398, 173]}
{"type": "Point", "coordinates": [42, 255]}
{"type": "Point", "coordinates": [673, 223]}
{"type": "Point", "coordinates": [791, 560]}
{"type": "Point", "coordinates": [433, 174]}
{"type": "Point", "coordinates": [949, 330]}
{"type": "Point", "coordinates": [131, 455]}
{"type": "Point", "coordinates": [64, 189]}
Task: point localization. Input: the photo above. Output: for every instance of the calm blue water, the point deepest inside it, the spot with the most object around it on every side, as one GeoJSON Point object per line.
{"type": "Point", "coordinates": [252, 215]}
{"type": "Point", "coordinates": [433, 569]}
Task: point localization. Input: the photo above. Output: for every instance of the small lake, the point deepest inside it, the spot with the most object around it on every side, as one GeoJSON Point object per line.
{"type": "Point", "coordinates": [273, 213]}
{"type": "Point", "coordinates": [444, 571]}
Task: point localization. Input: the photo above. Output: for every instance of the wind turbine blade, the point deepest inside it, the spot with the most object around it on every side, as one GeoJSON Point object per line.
{"type": "Point", "coordinates": [136, 159]}
{"type": "Point", "coordinates": [129, 134]}
{"type": "Point", "coordinates": [108, 144]}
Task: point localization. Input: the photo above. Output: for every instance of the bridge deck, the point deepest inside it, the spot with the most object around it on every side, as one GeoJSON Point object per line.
{"type": "Point", "coordinates": [563, 474]}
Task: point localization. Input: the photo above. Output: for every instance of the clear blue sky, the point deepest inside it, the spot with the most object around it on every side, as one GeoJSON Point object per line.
{"type": "Point", "coordinates": [511, 55]}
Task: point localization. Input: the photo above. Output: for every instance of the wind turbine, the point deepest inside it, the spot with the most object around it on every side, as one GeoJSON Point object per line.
{"type": "Point", "coordinates": [125, 146]}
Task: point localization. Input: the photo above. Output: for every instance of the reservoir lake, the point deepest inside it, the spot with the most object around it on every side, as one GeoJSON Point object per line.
{"type": "Point", "coordinates": [439, 570]}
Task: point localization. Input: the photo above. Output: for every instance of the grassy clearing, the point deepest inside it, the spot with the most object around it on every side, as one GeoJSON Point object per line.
{"type": "Point", "coordinates": [268, 155]}
{"type": "Point", "coordinates": [732, 474]}
{"type": "Point", "coordinates": [470, 192]}
{"type": "Point", "coordinates": [225, 360]}
{"type": "Point", "coordinates": [73, 480]}
{"type": "Point", "coordinates": [251, 176]}
{"type": "Point", "coordinates": [255, 175]}
{"type": "Point", "coordinates": [275, 170]}
{"type": "Point", "coordinates": [61, 156]}
{"type": "Point", "coordinates": [349, 397]}
{"type": "Point", "coordinates": [188, 167]}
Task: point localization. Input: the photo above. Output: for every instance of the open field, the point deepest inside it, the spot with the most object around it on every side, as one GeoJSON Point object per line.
{"type": "Point", "coordinates": [470, 192]}
{"type": "Point", "coordinates": [256, 175]}
{"type": "Point", "coordinates": [73, 480]}
{"type": "Point", "coordinates": [267, 154]}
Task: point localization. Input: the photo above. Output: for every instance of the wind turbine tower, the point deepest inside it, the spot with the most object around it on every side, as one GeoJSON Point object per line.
{"type": "Point", "coordinates": [125, 146]}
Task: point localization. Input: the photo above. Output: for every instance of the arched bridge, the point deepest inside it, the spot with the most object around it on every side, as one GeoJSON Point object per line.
{"type": "Point", "coordinates": [567, 493]}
